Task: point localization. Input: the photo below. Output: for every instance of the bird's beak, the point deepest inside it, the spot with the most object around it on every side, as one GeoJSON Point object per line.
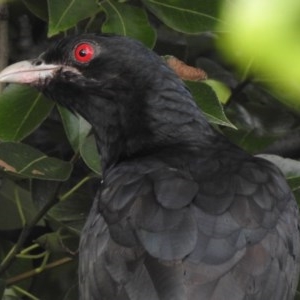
{"type": "Point", "coordinates": [28, 72]}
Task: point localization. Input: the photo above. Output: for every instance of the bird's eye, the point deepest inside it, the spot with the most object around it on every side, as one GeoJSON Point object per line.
{"type": "Point", "coordinates": [84, 52]}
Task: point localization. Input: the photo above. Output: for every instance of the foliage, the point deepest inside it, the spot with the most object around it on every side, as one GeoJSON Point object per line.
{"type": "Point", "coordinates": [49, 164]}
{"type": "Point", "coordinates": [271, 47]}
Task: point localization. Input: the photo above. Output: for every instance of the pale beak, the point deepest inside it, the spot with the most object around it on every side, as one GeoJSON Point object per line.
{"type": "Point", "coordinates": [28, 72]}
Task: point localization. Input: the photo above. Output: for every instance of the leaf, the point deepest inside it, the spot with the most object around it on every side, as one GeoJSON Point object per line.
{"type": "Point", "coordinates": [57, 282]}
{"type": "Point", "coordinates": [209, 104]}
{"type": "Point", "coordinates": [25, 161]}
{"type": "Point", "coordinates": [22, 110]}
{"type": "Point", "coordinates": [190, 17]}
{"type": "Point", "coordinates": [77, 130]}
{"type": "Point", "coordinates": [15, 203]}
{"type": "Point", "coordinates": [38, 8]}
{"type": "Point", "coordinates": [222, 91]}
{"type": "Point", "coordinates": [90, 154]}
{"type": "Point", "coordinates": [58, 242]}
{"type": "Point", "coordinates": [42, 191]}
{"type": "Point", "coordinates": [64, 14]}
{"type": "Point", "coordinates": [261, 120]}
{"type": "Point", "coordinates": [289, 167]}
{"type": "Point", "coordinates": [128, 20]}
{"type": "Point", "coordinates": [76, 127]}
{"type": "Point", "coordinates": [72, 212]}
{"type": "Point", "coordinates": [19, 266]}
{"type": "Point", "coordinates": [184, 71]}
{"type": "Point", "coordinates": [249, 139]}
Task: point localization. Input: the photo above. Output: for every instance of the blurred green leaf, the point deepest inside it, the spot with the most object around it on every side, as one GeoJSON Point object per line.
{"type": "Point", "coordinates": [64, 14]}
{"type": "Point", "coordinates": [266, 34]}
{"type": "Point", "coordinates": [14, 202]}
{"type": "Point", "coordinates": [260, 119]}
{"type": "Point", "coordinates": [38, 8]}
{"type": "Point", "coordinates": [76, 127]}
{"type": "Point", "coordinates": [23, 160]}
{"type": "Point", "coordinates": [10, 294]}
{"type": "Point", "coordinates": [90, 154]}
{"type": "Point", "coordinates": [289, 167]}
{"type": "Point", "coordinates": [186, 16]}
{"type": "Point", "coordinates": [22, 110]}
{"type": "Point", "coordinates": [208, 102]}
{"type": "Point", "coordinates": [128, 20]}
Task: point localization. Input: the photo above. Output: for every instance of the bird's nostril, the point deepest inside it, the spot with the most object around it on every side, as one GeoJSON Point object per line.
{"type": "Point", "coordinates": [37, 62]}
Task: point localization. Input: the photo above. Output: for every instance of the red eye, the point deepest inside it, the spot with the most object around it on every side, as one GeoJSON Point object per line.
{"type": "Point", "coordinates": [84, 52]}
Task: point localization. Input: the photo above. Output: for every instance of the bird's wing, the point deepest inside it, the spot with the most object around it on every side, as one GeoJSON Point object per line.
{"type": "Point", "coordinates": [169, 235]}
{"type": "Point", "coordinates": [248, 245]}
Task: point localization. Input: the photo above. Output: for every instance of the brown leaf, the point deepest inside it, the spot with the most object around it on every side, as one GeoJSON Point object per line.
{"type": "Point", "coordinates": [184, 71]}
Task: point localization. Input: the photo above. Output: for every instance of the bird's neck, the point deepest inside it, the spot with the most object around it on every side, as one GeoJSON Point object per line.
{"type": "Point", "coordinates": [144, 120]}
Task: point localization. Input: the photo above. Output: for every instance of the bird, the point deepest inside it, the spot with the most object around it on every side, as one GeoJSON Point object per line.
{"type": "Point", "coordinates": [181, 213]}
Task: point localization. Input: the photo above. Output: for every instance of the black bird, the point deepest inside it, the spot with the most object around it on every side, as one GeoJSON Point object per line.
{"type": "Point", "coordinates": [182, 213]}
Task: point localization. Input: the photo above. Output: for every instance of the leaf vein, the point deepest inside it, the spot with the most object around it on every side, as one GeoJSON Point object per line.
{"type": "Point", "coordinates": [32, 163]}
{"type": "Point", "coordinates": [64, 14]}
{"type": "Point", "coordinates": [27, 115]}
{"type": "Point", "coordinates": [181, 9]}
{"type": "Point", "coordinates": [120, 17]}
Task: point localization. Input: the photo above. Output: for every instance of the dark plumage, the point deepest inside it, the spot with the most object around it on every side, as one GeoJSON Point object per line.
{"type": "Point", "coordinates": [182, 213]}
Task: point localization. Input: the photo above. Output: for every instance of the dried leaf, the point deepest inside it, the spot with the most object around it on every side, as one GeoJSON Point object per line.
{"type": "Point", "coordinates": [184, 71]}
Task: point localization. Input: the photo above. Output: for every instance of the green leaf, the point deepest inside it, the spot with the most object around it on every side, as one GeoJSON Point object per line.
{"type": "Point", "coordinates": [289, 167]}
{"type": "Point", "coordinates": [16, 206]}
{"type": "Point", "coordinates": [76, 127]}
{"type": "Point", "coordinates": [249, 139]}
{"type": "Point", "coordinates": [58, 242]}
{"type": "Point", "coordinates": [222, 91]}
{"type": "Point", "coordinates": [90, 154]}
{"type": "Point", "coordinates": [25, 161]}
{"type": "Point", "coordinates": [38, 8]}
{"type": "Point", "coordinates": [22, 110]}
{"type": "Point", "coordinates": [186, 16]}
{"type": "Point", "coordinates": [209, 104]}
{"type": "Point", "coordinates": [71, 213]}
{"type": "Point", "coordinates": [64, 14]}
{"type": "Point", "coordinates": [42, 191]}
{"type": "Point", "coordinates": [128, 20]}
{"type": "Point", "coordinates": [77, 130]}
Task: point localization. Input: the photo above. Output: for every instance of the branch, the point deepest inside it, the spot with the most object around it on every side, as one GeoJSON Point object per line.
{"type": "Point", "coordinates": [3, 38]}
{"type": "Point", "coordinates": [25, 233]}
{"type": "Point", "coordinates": [31, 273]}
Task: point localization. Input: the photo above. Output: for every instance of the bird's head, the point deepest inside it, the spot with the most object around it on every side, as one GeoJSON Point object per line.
{"type": "Point", "coordinates": [132, 99]}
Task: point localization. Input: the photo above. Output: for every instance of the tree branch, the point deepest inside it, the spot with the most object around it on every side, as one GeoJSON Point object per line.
{"type": "Point", "coordinates": [3, 38]}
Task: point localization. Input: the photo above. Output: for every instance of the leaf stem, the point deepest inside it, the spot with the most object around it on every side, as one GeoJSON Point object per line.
{"type": "Point", "coordinates": [34, 272]}
{"type": "Point", "coordinates": [19, 207]}
{"type": "Point", "coordinates": [26, 231]}
{"type": "Point", "coordinates": [24, 293]}
{"type": "Point", "coordinates": [74, 188]}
